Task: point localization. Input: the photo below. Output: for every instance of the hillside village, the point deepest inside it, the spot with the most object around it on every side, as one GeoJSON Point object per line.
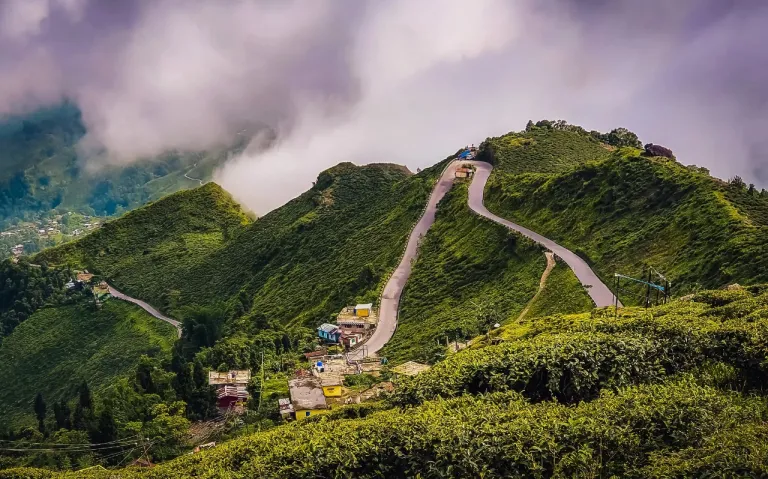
{"type": "Point", "coordinates": [29, 237]}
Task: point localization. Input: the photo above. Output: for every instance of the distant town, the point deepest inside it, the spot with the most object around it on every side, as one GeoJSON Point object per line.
{"type": "Point", "coordinates": [29, 237]}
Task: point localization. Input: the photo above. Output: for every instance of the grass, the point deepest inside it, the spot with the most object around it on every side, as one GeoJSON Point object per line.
{"type": "Point", "coordinates": [298, 264]}
{"type": "Point", "coordinates": [56, 349]}
{"type": "Point", "coordinates": [630, 211]}
{"type": "Point", "coordinates": [676, 391]}
{"type": "Point", "coordinates": [541, 150]}
{"type": "Point", "coordinates": [563, 294]}
{"type": "Point", "coordinates": [464, 261]}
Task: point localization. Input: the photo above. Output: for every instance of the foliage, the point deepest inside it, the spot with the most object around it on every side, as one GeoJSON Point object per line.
{"type": "Point", "coordinates": [547, 147]}
{"type": "Point", "coordinates": [631, 211]}
{"type": "Point", "coordinates": [41, 171]}
{"type": "Point", "coordinates": [58, 348]}
{"type": "Point", "coordinates": [562, 294]}
{"type": "Point", "coordinates": [26, 288]}
{"type": "Point", "coordinates": [464, 264]}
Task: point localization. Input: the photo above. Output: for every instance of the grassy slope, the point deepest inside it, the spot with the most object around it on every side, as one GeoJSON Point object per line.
{"type": "Point", "coordinates": [586, 395]}
{"type": "Point", "coordinates": [58, 348]}
{"type": "Point", "coordinates": [40, 169]}
{"type": "Point", "coordinates": [300, 262]}
{"type": "Point", "coordinates": [541, 151]}
{"type": "Point", "coordinates": [152, 246]}
{"type": "Point", "coordinates": [630, 210]}
{"type": "Point", "coordinates": [462, 259]}
{"type": "Point", "coordinates": [563, 294]}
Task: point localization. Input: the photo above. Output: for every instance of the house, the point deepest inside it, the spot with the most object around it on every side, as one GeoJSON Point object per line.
{"type": "Point", "coordinates": [329, 332]}
{"type": "Point", "coordinates": [231, 387]}
{"type": "Point", "coordinates": [307, 397]}
{"type": "Point", "coordinates": [411, 368]}
{"type": "Point", "coordinates": [286, 408]}
{"type": "Point", "coordinates": [233, 377]}
{"type": "Point", "coordinates": [228, 397]}
{"type": "Point", "coordinates": [318, 353]}
{"type": "Point", "coordinates": [363, 310]}
{"type": "Point", "coordinates": [351, 339]}
{"type": "Point", "coordinates": [332, 386]}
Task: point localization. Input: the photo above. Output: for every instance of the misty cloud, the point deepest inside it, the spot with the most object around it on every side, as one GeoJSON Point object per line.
{"type": "Point", "coordinates": [398, 81]}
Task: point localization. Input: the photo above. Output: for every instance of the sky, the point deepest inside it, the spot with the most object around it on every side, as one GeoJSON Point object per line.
{"type": "Point", "coordinates": [399, 81]}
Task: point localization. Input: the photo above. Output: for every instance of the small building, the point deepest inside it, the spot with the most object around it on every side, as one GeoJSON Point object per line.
{"type": "Point", "coordinates": [351, 339]}
{"type": "Point", "coordinates": [318, 353]}
{"type": "Point", "coordinates": [411, 368]}
{"type": "Point", "coordinates": [233, 377]}
{"type": "Point", "coordinates": [363, 310]}
{"type": "Point", "coordinates": [286, 408]}
{"type": "Point", "coordinates": [307, 397]}
{"type": "Point", "coordinates": [329, 332]}
{"type": "Point", "coordinates": [228, 397]}
{"type": "Point", "coordinates": [332, 386]}
{"type": "Point", "coordinates": [231, 387]}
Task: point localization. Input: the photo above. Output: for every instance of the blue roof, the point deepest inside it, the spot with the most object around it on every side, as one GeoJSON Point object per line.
{"type": "Point", "coordinates": [464, 154]}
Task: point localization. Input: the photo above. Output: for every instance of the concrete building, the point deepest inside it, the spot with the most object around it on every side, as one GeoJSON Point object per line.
{"type": "Point", "coordinates": [307, 397]}
{"type": "Point", "coordinates": [231, 387]}
{"type": "Point", "coordinates": [332, 386]}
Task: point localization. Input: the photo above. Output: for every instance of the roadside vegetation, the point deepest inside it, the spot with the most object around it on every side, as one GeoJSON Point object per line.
{"type": "Point", "coordinates": [666, 392]}
{"type": "Point", "coordinates": [57, 349]}
{"type": "Point", "coordinates": [469, 275]}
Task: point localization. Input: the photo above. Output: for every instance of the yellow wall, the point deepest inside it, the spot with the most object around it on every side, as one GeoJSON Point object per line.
{"type": "Point", "coordinates": [332, 391]}
{"type": "Point", "coordinates": [363, 312]}
{"type": "Point", "coordinates": [302, 413]}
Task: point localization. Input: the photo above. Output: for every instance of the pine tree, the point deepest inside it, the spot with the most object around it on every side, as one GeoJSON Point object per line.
{"type": "Point", "coordinates": [107, 428]}
{"type": "Point", "coordinates": [40, 410]}
{"type": "Point", "coordinates": [85, 396]}
{"type": "Point", "coordinates": [79, 421]}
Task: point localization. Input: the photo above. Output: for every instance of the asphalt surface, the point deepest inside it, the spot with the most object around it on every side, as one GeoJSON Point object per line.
{"type": "Point", "coordinates": [394, 287]}
{"type": "Point", "coordinates": [117, 294]}
{"type": "Point", "coordinates": [598, 291]}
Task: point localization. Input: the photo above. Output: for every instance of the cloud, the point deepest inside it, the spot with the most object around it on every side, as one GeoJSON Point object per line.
{"type": "Point", "coordinates": [396, 80]}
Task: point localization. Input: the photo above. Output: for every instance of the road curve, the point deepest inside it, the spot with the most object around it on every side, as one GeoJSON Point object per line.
{"type": "Point", "coordinates": [117, 294]}
{"type": "Point", "coordinates": [394, 287]}
{"type": "Point", "coordinates": [598, 291]}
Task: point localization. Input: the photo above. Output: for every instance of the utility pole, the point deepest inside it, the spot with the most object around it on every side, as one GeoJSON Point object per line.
{"type": "Point", "coordinates": [261, 386]}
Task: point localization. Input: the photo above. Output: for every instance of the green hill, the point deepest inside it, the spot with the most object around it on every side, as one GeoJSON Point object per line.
{"type": "Point", "coordinates": [630, 210]}
{"type": "Point", "coordinates": [468, 268]}
{"type": "Point", "coordinates": [41, 172]}
{"type": "Point", "coordinates": [298, 263]}
{"type": "Point", "coordinates": [56, 349]}
{"type": "Point", "coordinates": [673, 393]}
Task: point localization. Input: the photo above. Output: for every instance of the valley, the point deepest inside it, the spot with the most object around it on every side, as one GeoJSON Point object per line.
{"type": "Point", "coordinates": [489, 279]}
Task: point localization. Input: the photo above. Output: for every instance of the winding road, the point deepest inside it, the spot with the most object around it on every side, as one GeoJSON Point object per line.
{"type": "Point", "coordinates": [598, 291]}
{"type": "Point", "coordinates": [117, 294]}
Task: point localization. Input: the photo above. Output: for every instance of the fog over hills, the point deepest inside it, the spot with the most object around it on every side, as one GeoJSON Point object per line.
{"type": "Point", "coordinates": [394, 80]}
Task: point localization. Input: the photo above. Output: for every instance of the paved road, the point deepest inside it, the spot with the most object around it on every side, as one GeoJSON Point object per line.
{"type": "Point", "coordinates": [598, 291]}
{"type": "Point", "coordinates": [117, 294]}
{"type": "Point", "coordinates": [394, 287]}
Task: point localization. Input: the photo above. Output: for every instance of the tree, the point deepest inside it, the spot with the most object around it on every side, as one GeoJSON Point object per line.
{"type": "Point", "coordinates": [62, 413]}
{"type": "Point", "coordinates": [620, 137]}
{"type": "Point", "coordinates": [107, 428]}
{"type": "Point", "coordinates": [40, 410]}
{"type": "Point", "coordinates": [85, 396]}
{"type": "Point", "coordinates": [79, 421]}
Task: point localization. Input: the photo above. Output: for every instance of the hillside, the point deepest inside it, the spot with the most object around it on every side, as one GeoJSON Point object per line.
{"type": "Point", "coordinates": [41, 171]}
{"type": "Point", "coordinates": [630, 210]}
{"type": "Point", "coordinates": [667, 394]}
{"type": "Point", "coordinates": [56, 349]}
{"type": "Point", "coordinates": [467, 268]}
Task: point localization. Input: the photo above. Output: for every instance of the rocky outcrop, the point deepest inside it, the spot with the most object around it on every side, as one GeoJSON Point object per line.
{"type": "Point", "coordinates": [658, 150]}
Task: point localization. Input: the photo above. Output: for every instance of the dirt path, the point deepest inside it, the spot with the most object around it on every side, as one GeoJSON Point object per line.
{"type": "Point", "coordinates": [117, 294]}
{"type": "Point", "coordinates": [542, 283]}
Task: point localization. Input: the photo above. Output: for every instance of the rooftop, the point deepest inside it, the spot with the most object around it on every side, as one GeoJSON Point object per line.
{"type": "Point", "coordinates": [328, 328]}
{"type": "Point", "coordinates": [364, 306]}
{"type": "Point", "coordinates": [331, 381]}
{"type": "Point", "coordinates": [348, 315]}
{"type": "Point", "coordinates": [411, 368]}
{"type": "Point", "coordinates": [307, 393]}
{"type": "Point", "coordinates": [242, 376]}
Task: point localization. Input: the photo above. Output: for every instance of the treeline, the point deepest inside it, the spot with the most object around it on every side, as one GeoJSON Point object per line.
{"type": "Point", "coordinates": [618, 137]}
{"type": "Point", "coordinates": [27, 287]}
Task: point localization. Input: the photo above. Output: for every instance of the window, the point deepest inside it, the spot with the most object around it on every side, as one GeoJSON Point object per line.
{"type": "Point", "coordinates": [306, 414]}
